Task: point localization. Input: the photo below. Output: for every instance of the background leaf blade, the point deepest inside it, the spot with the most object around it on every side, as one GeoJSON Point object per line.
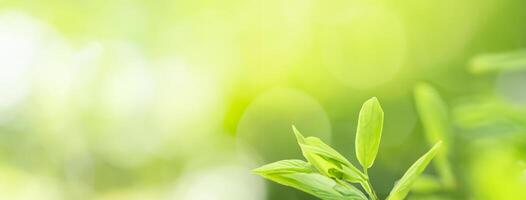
{"type": "Point", "coordinates": [433, 113]}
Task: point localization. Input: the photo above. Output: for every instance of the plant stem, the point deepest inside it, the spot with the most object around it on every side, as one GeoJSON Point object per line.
{"type": "Point", "coordinates": [368, 186]}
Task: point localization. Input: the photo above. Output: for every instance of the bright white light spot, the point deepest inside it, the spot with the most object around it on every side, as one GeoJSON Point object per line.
{"type": "Point", "coordinates": [20, 41]}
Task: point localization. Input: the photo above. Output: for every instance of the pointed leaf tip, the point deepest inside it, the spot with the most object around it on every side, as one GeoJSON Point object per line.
{"type": "Point", "coordinates": [299, 137]}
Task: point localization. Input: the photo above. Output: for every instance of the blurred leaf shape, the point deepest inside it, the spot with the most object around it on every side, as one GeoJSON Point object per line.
{"type": "Point", "coordinates": [490, 115]}
{"type": "Point", "coordinates": [512, 60]}
{"type": "Point", "coordinates": [433, 113]}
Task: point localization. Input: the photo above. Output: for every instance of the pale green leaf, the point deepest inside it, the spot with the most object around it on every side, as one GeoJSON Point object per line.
{"type": "Point", "coordinates": [403, 186]}
{"type": "Point", "coordinates": [327, 160]}
{"type": "Point", "coordinates": [285, 166]}
{"type": "Point", "coordinates": [300, 175]}
{"type": "Point", "coordinates": [513, 60]}
{"type": "Point", "coordinates": [369, 132]}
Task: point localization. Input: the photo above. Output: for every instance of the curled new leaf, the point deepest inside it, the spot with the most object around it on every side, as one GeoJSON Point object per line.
{"type": "Point", "coordinates": [403, 186]}
{"type": "Point", "coordinates": [327, 160]}
{"type": "Point", "coordinates": [369, 132]}
{"type": "Point", "coordinates": [300, 175]}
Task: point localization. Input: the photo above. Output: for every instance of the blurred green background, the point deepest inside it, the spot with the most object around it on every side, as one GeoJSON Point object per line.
{"type": "Point", "coordinates": [180, 99]}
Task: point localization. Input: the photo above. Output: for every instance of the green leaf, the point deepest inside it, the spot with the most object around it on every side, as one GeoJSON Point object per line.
{"type": "Point", "coordinates": [285, 166]}
{"type": "Point", "coordinates": [300, 175]}
{"type": "Point", "coordinates": [327, 160]}
{"type": "Point", "coordinates": [403, 186]}
{"type": "Point", "coordinates": [513, 60]}
{"type": "Point", "coordinates": [434, 116]}
{"type": "Point", "coordinates": [369, 132]}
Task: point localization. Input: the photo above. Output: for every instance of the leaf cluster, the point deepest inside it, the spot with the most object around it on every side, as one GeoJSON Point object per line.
{"type": "Point", "coordinates": [328, 175]}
